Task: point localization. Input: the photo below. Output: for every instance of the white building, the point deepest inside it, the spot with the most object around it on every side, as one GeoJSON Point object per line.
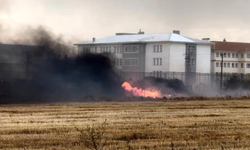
{"type": "Point", "coordinates": [236, 57]}
{"type": "Point", "coordinates": [154, 53]}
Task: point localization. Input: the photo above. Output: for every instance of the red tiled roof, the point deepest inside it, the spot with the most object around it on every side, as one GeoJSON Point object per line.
{"type": "Point", "coordinates": [230, 46]}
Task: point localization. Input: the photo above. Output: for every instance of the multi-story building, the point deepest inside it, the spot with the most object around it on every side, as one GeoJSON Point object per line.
{"type": "Point", "coordinates": [236, 57]}
{"type": "Point", "coordinates": [166, 52]}
{"type": "Point", "coordinates": [156, 54]}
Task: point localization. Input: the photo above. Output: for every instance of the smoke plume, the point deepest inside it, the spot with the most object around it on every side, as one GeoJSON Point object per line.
{"type": "Point", "coordinates": [166, 86]}
{"type": "Point", "coordinates": [59, 74]}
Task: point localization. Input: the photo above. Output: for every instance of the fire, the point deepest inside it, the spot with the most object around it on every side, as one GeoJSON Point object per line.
{"type": "Point", "coordinates": [140, 92]}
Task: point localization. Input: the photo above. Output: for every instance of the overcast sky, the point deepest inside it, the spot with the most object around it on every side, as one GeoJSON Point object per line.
{"type": "Point", "coordinates": [80, 20]}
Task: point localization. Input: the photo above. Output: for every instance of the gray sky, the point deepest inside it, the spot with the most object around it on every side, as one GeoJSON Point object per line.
{"type": "Point", "coordinates": [80, 20]}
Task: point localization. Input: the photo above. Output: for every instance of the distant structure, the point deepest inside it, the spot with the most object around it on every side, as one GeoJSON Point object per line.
{"type": "Point", "coordinates": [236, 57]}
{"type": "Point", "coordinates": [154, 54]}
{"type": "Point", "coordinates": [17, 61]}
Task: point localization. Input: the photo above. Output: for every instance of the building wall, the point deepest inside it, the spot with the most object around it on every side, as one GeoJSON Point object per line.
{"type": "Point", "coordinates": [138, 54]}
{"type": "Point", "coordinates": [116, 51]}
{"type": "Point", "coordinates": [177, 57]}
{"type": "Point", "coordinates": [151, 55]}
{"type": "Point", "coordinates": [203, 60]}
{"type": "Point", "coordinates": [190, 58]}
{"type": "Point", "coordinates": [172, 57]}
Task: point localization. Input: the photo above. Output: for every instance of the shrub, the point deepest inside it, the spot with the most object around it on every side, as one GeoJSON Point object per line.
{"type": "Point", "coordinates": [92, 137]}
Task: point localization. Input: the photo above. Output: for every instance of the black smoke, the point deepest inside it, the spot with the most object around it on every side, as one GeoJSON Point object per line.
{"type": "Point", "coordinates": [59, 74]}
{"type": "Point", "coordinates": [60, 79]}
{"type": "Point", "coordinates": [237, 82]}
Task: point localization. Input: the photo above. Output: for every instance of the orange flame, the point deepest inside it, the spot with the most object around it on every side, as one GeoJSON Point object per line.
{"type": "Point", "coordinates": [139, 92]}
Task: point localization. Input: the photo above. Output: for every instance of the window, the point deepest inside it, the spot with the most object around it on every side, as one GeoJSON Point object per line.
{"type": "Point", "coordinates": [228, 55]}
{"type": "Point", "coordinates": [86, 50]}
{"type": "Point", "coordinates": [131, 49]}
{"type": "Point", "coordinates": [236, 65]}
{"type": "Point", "coordinates": [248, 55]}
{"type": "Point", "coordinates": [131, 62]}
{"type": "Point", "coordinates": [109, 49]}
{"type": "Point", "coordinates": [236, 55]}
{"type": "Point", "coordinates": [232, 55]}
{"type": "Point", "coordinates": [157, 48]}
{"type": "Point", "coordinates": [242, 65]}
{"type": "Point", "coordinates": [248, 65]}
{"type": "Point", "coordinates": [225, 65]}
{"type": "Point", "coordinates": [115, 49]}
{"type": "Point", "coordinates": [193, 61]}
{"type": "Point", "coordinates": [29, 58]}
{"type": "Point", "coordinates": [217, 64]}
{"type": "Point", "coordinates": [157, 74]}
{"type": "Point", "coordinates": [232, 65]}
{"type": "Point", "coordinates": [118, 62]}
{"type": "Point", "coordinates": [100, 49]}
{"type": "Point", "coordinates": [242, 55]}
{"type": "Point", "coordinates": [157, 61]}
{"type": "Point", "coordinates": [217, 54]}
{"type": "Point", "coordinates": [191, 50]}
{"type": "Point", "coordinates": [225, 55]}
{"type": "Point", "coordinates": [228, 65]}
{"type": "Point", "coordinates": [95, 49]}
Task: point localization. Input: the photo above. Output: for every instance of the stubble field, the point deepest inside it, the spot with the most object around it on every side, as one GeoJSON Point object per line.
{"type": "Point", "coordinates": [214, 124]}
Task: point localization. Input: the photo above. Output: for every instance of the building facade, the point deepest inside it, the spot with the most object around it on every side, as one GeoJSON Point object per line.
{"type": "Point", "coordinates": [154, 54]}
{"type": "Point", "coordinates": [236, 57]}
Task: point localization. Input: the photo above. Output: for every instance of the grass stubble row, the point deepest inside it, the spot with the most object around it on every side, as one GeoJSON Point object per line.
{"type": "Point", "coordinates": [180, 125]}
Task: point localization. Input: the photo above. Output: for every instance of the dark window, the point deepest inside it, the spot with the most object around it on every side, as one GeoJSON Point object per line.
{"type": "Point", "coordinates": [217, 64]}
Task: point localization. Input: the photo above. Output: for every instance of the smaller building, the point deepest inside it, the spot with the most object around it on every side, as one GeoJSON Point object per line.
{"type": "Point", "coordinates": [236, 57]}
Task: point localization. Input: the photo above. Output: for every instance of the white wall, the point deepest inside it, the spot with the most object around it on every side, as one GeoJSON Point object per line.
{"type": "Point", "coordinates": [149, 62]}
{"type": "Point", "coordinates": [203, 59]}
{"type": "Point", "coordinates": [177, 57]}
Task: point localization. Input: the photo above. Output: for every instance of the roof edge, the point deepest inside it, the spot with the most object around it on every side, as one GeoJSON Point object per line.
{"type": "Point", "coordinates": [199, 43]}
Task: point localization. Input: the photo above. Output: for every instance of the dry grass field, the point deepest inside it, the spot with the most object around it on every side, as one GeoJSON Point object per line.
{"type": "Point", "coordinates": [173, 125]}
